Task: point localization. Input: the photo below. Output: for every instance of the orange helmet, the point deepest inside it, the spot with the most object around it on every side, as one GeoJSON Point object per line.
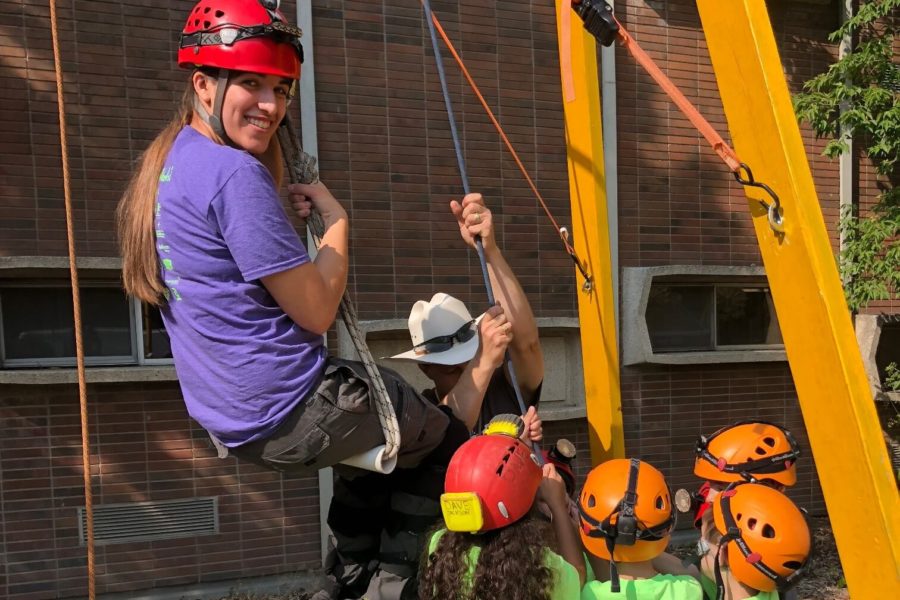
{"type": "Point", "coordinates": [626, 512]}
{"type": "Point", "coordinates": [765, 534]}
{"type": "Point", "coordinates": [748, 451]}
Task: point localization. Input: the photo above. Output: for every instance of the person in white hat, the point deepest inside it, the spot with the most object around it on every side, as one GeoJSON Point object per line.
{"type": "Point", "coordinates": [462, 356]}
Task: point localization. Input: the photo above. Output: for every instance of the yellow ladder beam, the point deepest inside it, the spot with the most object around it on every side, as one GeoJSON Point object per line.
{"type": "Point", "coordinates": [590, 229]}
{"type": "Point", "coordinates": [844, 432]}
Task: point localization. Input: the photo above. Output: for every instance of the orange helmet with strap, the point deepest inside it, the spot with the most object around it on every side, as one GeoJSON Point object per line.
{"type": "Point", "coordinates": [748, 451]}
{"type": "Point", "coordinates": [626, 513]}
{"type": "Point", "coordinates": [491, 482]}
{"type": "Point", "coordinates": [765, 535]}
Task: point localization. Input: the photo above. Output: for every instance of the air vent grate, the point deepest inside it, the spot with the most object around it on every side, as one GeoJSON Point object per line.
{"type": "Point", "coordinates": [147, 521]}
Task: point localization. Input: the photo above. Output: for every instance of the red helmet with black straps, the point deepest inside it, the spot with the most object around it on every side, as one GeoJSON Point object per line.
{"type": "Point", "coordinates": [241, 35]}
{"type": "Point", "coordinates": [501, 476]}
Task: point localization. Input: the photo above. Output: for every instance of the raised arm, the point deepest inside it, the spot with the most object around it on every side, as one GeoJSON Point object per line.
{"type": "Point", "coordinates": [475, 219]}
{"type": "Point", "coordinates": [311, 293]}
{"type": "Point", "coordinates": [553, 493]}
{"type": "Point", "coordinates": [466, 396]}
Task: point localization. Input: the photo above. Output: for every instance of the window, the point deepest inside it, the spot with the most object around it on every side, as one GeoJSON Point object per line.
{"type": "Point", "coordinates": [709, 317]}
{"type": "Point", "coordinates": [36, 326]}
{"type": "Point", "coordinates": [698, 314]}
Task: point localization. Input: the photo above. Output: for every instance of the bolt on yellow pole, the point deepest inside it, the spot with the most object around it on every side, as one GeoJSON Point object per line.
{"type": "Point", "coordinates": [590, 230]}
{"type": "Point", "coordinates": [844, 431]}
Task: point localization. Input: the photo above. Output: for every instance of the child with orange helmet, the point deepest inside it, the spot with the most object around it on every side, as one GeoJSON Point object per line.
{"type": "Point", "coordinates": [627, 517]}
{"type": "Point", "coordinates": [760, 542]}
{"type": "Point", "coordinates": [493, 544]}
{"type": "Point", "coordinates": [746, 451]}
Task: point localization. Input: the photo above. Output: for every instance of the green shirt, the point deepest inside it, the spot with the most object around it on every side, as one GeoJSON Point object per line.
{"type": "Point", "coordinates": [709, 586]}
{"type": "Point", "coordinates": [565, 586]}
{"type": "Point", "coordinates": [661, 587]}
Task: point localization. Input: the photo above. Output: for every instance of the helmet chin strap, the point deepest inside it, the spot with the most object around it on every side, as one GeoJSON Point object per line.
{"type": "Point", "coordinates": [214, 120]}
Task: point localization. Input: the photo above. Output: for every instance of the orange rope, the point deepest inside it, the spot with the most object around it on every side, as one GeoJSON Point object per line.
{"type": "Point", "coordinates": [561, 231]}
{"type": "Point", "coordinates": [76, 304]}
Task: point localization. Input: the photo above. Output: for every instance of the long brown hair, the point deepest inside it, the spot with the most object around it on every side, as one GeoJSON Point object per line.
{"type": "Point", "coordinates": [510, 565]}
{"type": "Point", "coordinates": [135, 215]}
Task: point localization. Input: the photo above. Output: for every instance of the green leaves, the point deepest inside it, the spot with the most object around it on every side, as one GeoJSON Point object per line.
{"type": "Point", "coordinates": [860, 95]}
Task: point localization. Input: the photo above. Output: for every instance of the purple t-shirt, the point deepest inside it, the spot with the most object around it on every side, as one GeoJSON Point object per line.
{"type": "Point", "coordinates": [242, 362]}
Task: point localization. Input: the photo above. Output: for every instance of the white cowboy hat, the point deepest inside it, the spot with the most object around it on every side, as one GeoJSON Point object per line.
{"type": "Point", "coordinates": [443, 332]}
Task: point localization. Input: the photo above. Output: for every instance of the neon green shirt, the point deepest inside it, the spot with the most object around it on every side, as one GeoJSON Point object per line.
{"type": "Point", "coordinates": [661, 587]}
{"type": "Point", "coordinates": [566, 585]}
{"type": "Point", "coordinates": [709, 586]}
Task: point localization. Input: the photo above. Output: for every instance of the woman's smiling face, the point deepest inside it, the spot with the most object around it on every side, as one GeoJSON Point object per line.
{"type": "Point", "coordinates": [253, 107]}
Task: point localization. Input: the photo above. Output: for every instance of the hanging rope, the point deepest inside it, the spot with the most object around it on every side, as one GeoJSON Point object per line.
{"type": "Point", "coordinates": [479, 246]}
{"type": "Point", "coordinates": [561, 231]}
{"type": "Point", "coordinates": [302, 169]}
{"type": "Point", "coordinates": [76, 304]}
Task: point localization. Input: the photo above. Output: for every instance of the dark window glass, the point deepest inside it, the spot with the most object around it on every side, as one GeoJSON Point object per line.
{"type": "Point", "coordinates": [745, 317]}
{"type": "Point", "coordinates": [679, 318]}
{"type": "Point", "coordinates": [38, 323]}
{"type": "Point", "coordinates": [156, 340]}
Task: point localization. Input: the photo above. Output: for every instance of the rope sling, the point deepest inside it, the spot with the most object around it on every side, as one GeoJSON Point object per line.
{"type": "Point", "coordinates": [302, 169]}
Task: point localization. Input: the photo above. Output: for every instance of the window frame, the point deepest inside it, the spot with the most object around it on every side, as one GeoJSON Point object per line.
{"type": "Point", "coordinates": [635, 335]}
{"type": "Point", "coordinates": [137, 357]}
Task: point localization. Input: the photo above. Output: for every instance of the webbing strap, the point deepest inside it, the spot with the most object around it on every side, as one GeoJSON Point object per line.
{"type": "Point", "coordinates": [725, 152]}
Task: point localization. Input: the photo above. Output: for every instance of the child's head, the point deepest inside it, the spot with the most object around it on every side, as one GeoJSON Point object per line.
{"type": "Point", "coordinates": [761, 534]}
{"type": "Point", "coordinates": [490, 487]}
{"type": "Point", "coordinates": [626, 512]}
{"type": "Point", "coordinates": [491, 482]}
{"type": "Point", "coordinates": [749, 450]}
{"type": "Point", "coordinates": [746, 451]}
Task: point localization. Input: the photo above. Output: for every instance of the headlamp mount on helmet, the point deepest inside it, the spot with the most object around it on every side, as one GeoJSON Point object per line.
{"type": "Point", "coordinates": [228, 34]}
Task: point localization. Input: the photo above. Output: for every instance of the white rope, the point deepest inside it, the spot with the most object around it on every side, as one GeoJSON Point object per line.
{"type": "Point", "coordinates": [302, 169]}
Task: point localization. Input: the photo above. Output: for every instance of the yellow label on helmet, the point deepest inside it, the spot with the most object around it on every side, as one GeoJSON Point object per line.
{"type": "Point", "coordinates": [462, 511]}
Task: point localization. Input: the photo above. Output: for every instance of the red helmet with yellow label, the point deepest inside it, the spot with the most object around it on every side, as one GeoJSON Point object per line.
{"type": "Point", "coordinates": [491, 482]}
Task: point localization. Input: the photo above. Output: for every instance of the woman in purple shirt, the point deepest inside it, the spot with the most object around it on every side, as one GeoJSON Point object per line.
{"type": "Point", "coordinates": [204, 236]}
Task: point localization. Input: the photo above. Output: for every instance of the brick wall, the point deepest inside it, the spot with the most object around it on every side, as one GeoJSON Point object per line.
{"type": "Point", "coordinates": [143, 448]}
{"type": "Point", "coordinates": [386, 152]}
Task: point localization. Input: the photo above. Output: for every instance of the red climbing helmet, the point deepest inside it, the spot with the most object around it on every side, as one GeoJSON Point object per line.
{"type": "Point", "coordinates": [491, 483]}
{"type": "Point", "coordinates": [241, 35]}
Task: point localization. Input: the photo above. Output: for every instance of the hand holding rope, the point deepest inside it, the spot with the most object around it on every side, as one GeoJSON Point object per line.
{"type": "Point", "coordinates": [302, 169]}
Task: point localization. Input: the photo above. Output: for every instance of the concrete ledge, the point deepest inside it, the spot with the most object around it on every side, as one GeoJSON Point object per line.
{"type": "Point", "coordinates": [92, 374]}
{"type": "Point", "coordinates": [34, 266]}
{"type": "Point", "coordinates": [562, 395]}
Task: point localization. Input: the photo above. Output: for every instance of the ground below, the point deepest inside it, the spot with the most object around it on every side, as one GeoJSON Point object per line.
{"type": "Point", "coordinates": [825, 580]}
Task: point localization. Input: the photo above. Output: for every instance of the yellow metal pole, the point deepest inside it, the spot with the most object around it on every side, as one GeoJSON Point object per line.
{"type": "Point", "coordinates": [590, 230]}
{"type": "Point", "coordinates": [825, 361]}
